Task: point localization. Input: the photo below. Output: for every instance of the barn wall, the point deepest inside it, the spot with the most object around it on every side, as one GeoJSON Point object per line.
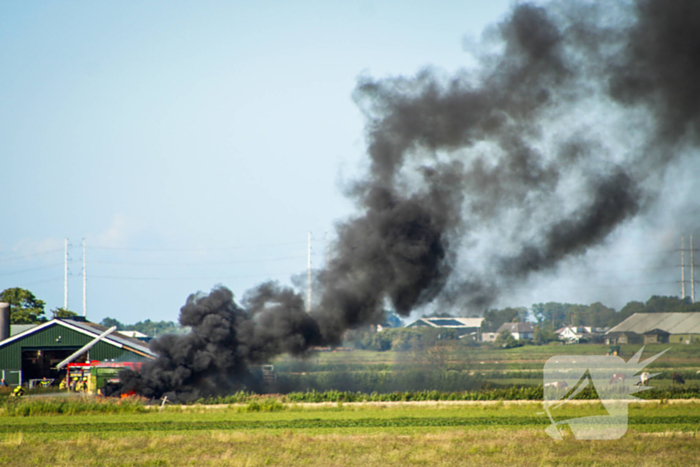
{"type": "Point", "coordinates": [52, 337]}
{"type": "Point", "coordinates": [57, 337]}
{"type": "Point", "coordinates": [683, 338]}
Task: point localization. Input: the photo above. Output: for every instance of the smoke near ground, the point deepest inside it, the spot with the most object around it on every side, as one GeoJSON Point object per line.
{"type": "Point", "coordinates": [476, 181]}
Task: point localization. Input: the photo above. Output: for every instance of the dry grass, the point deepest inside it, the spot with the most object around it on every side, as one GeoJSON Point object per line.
{"type": "Point", "coordinates": [361, 447]}
{"type": "Point", "coordinates": [525, 447]}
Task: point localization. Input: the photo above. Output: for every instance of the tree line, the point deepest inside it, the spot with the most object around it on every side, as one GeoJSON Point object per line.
{"type": "Point", "coordinates": [556, 315]}
{"type": "Point", "coordinates": [26, 308]}
{"type": "Point", "coordinates": [147, 327]}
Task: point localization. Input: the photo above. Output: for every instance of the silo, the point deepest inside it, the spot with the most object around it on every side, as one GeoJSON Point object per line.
{"type": "Point", "coordinates": [4, 321]}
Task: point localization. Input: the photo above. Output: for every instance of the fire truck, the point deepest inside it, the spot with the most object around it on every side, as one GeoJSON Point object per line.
{"type": "Point", "coordinates": [97, 374]}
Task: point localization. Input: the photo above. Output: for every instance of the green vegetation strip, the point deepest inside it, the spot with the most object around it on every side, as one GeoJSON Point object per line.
{"type": "Point", "coordinates": [501, 394]}
{"type": "Point", "coordinates": [151, 426]}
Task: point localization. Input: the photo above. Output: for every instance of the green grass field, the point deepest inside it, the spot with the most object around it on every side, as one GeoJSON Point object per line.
{"type": "Point", "coordinates": [386, 434]}
{"type": "Point", "coordinates": [275, 430]}
{"type": "Point", "coordinates": [454, 366]}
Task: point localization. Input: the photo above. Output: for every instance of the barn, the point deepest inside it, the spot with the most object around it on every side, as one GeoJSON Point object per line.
{"type": "Point", "coordinates": [463, 326]}
{"type": "Point", "coordinates": [681, 328]}
{"type": "Point", "coordinates": [34, 351]}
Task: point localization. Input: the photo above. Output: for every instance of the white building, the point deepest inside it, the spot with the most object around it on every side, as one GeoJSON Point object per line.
{"type": "Point", "coordinates": [577, 334]}
{"type": "Point", "coordinates": [518, 330]}
{"type": "Point", "coordinates": [463, 326]}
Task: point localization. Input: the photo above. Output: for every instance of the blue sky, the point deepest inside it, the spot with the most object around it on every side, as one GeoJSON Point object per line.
{"type": "Point", "coordinates": [201, 128]}
{"type": "Point", "coordinates": [196, 143]}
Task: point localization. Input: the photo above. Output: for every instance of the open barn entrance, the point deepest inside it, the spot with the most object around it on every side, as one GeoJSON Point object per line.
{"type": "Point", "coordinates": [38, 363]}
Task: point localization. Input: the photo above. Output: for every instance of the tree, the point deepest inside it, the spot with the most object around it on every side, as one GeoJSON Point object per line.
{"type": "Point", "coordinates": [632, 308]}
{"type": "Point", "coordinates": [505, 339]}
{"type": "Point", "coordinates": [543, 335]}
{"type": "Point", "coordinates": [25, 308]}
{"type": "Point", "coordinates": [493, 319]}
{"type": "Point", "coordinates": [147, 327]}
{"type": "Point", "coordinates": [63, 313]}
{"type": "Point", "coordinates": [661, 304]}
{"type": "Point", "coordinates": [552, 314]}
{"type": "Point", "coordinates": [109, 322]}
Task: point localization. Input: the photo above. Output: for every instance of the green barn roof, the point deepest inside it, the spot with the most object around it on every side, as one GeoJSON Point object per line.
{"type": "Point", "coordinates": [90, 330]}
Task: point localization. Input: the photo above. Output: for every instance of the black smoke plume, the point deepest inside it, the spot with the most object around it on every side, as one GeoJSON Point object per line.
{"type": "Point", "coordinates": [476, 181]}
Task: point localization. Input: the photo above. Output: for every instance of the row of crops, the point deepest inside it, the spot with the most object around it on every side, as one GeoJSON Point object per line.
{"type": "Point", "coordinates": [499, 394]}
{"type": "Point", "coordinates": [251, 402]}
{"type": "Point", "coordinates": [399, 422]}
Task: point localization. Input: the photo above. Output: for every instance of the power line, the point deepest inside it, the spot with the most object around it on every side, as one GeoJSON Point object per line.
{"type": "Point", "coordinates": [53, 279]}
{"type": "Point", "coordinates": [192, 263]}
{"type": "Point", "coordinates": [32, 255]}
{"type": "Point", "coordinates": [606, 286]}
{"type": "Point", "coordinates": [31, 269]}
{"type": "Point", "coordinates": [641, 253]}
{"type": "Point", "coordinates": [130, 278]}
{"type": "Point", "coordinates": [197, 249]}
{"type": "Point", "coordinates": [630, 270]}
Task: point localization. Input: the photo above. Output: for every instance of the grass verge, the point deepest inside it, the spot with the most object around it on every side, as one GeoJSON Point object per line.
{"type": "Point", "coordinates": [395, 435]}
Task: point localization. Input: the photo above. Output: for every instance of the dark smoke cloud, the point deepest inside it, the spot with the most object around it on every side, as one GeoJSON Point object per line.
{"type": "Point", "coordinates": [225, 339]}
{"type": "Point", "coordinates": [476, 182]}
{"type": "Point", "coordinates": [659, 68]}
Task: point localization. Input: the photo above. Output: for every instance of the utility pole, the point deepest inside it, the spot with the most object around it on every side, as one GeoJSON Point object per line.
{"type": "Point", "coordinates": [692, 269]}
{"type": "Point", "coordinates": [308, 294]}
{"type": "Point", "coordinates": [84, 283]}
{"type": "Point", "coordinates": [682, 268]}
{"type": "Point", "coordinates": [692, 273]}
{"type": "Point", "coordinates": [65, 276]}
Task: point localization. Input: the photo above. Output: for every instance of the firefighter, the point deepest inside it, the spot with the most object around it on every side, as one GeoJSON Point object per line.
{"type": "Point", "coordinates": [84, 384]}
{"type": "Point", "coordinates": [63, 385]}
{"type": "Point", "coordinates": [18, 391]}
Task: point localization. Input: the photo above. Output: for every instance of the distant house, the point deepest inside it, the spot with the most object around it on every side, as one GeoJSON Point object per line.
{"type": "Point", "coordinates": [136, 335]}
{"type": "Point", "coordinates": [580, 334]}
{"type": "Point", "coordinates": [656, 336]}
{"type": "Point", "coordinates": [627, 337]}
{"type": "Point", "coordinates": [488, 336]}
{"type": "Point", "coordinates": [518, 330]}
{"type": "Point", "coordinates": [463, 326]}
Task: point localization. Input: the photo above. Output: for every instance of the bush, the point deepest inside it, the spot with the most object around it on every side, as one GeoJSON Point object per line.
{"type": "Point", "coordinates": [71, 406]}
{"type": "Point", "coordinates": [506, 340]}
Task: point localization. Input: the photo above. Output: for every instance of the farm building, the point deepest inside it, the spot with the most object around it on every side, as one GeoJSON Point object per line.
{"type": "Point", "coordinates": [656, 336]}
{"type": "Point", "coordinates": [136, 335]}
{"type": "Point", "coordinates": [626, 337]}
{"type": "Point", "coordinates": [32, 352]}
{"type": "Point", "coordinates": [518, 330]}
{"type": "Point", "coordinates": [488, 336]}
{"type": "Point", "coordinates": [579, 334]}
{"type": "Point", "coordinates": [683, 328]}
{"type": "Point", "coordinates": [463, 326]}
